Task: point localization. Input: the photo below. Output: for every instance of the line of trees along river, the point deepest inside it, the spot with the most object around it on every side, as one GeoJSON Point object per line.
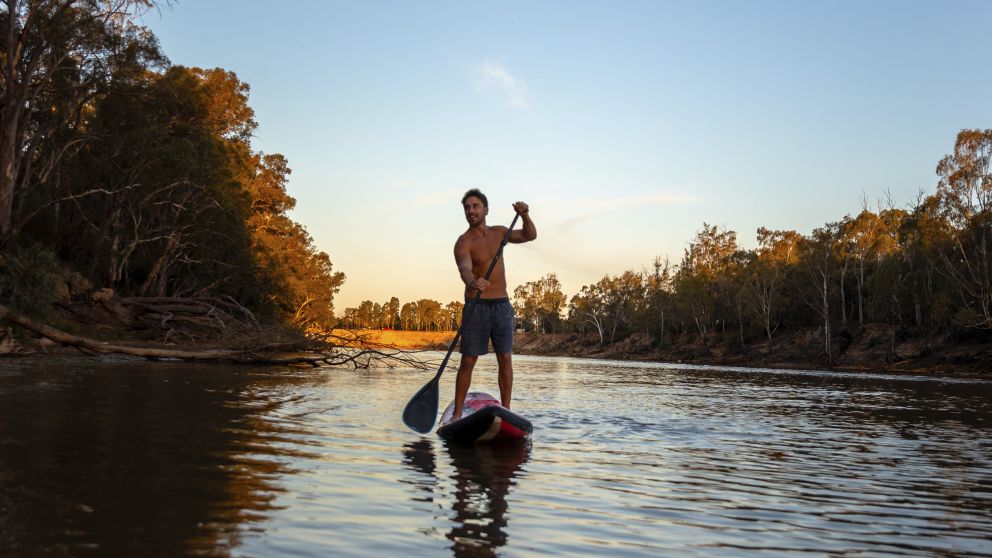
{"type": "Point", "coordinates": [139, 174]}
{"type": "Point", "coordinates": [421, 315]}
{"type": "Point", "coordinates": [922, 270]}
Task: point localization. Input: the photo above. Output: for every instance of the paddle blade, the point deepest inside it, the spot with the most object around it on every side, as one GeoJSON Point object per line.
{"type": "Point", "coordinates": [421, 412]}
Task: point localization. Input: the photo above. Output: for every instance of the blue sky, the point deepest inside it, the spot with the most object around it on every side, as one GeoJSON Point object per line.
{"type": "Point", "coordinates": [625, 125]}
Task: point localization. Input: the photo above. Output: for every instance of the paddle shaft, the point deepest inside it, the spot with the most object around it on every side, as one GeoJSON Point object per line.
{"type": "Point", "coordinates": [475, 301]}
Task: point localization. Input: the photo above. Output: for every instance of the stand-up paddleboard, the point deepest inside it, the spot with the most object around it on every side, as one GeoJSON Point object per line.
{"type": "Point", "coordinates": [483, 420]}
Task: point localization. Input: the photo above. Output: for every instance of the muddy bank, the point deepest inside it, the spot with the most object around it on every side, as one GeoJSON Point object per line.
{"type": "Point", "coordinates": [872, 348]}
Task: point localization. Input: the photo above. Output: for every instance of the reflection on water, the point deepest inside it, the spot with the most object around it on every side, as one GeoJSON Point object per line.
{"type": "Point", "coordinates": [125, 461]}
{"type": "Point", "coordinates": [116, 457]}
{"type": "Point", "coordinates": [483, 475]}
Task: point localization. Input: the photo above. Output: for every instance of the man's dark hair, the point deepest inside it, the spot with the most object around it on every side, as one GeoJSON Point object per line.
{"type": "Point", "coordinates": [475, 192]}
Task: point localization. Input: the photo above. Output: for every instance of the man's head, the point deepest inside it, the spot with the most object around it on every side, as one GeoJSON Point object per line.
{"type": "Point", "coordinates": [474, 192]}
{"type": "Point", "coordinates": [476, 207]}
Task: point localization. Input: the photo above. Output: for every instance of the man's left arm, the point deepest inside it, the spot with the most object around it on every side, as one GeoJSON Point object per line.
{"type": "Point", "coordinates": [528, 232]}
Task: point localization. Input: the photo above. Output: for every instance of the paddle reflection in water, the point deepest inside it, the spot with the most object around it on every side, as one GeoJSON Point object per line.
{"type": "Point", "coordinates": [482, 476]}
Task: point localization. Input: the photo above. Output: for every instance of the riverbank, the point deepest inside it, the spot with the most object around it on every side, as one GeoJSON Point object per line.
{"type": "Point", "coordinates": [872, 348]}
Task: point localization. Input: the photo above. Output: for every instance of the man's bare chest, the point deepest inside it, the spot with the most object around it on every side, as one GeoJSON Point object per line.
{"type": "Point", "coordinates": [483, 250]}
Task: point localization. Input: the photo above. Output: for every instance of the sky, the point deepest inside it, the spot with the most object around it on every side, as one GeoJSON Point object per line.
{"type": "Point", "coordinates": [625, 125]}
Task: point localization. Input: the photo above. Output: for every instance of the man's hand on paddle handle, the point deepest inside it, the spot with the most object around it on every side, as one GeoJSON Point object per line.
{"type": "Point", "coordinates": [528, 231]}
{"type": "Point", "coordinates": [479, 284]}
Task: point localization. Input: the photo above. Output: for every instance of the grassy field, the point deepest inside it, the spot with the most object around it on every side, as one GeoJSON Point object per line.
{"type": "Point", "coordinates": [401, 339]}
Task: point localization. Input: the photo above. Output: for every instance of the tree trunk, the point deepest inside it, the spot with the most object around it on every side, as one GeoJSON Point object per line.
{"type": "Point", "coordinates": [861, 282]}
{"type": "Point", "coordinates": [740, 321]}
{"type": "Point", "coordinates": [8, 174]}
{"type": "Point", "coordinates": [826, 320]}
{"type": "Point", "coordinates": [843, 300]}
{"type": "Point", "coordinates": [661, 333]}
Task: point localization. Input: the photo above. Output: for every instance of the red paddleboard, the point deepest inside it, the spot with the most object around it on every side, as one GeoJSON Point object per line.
{"type": "Point", "coordinates": [483, 420]}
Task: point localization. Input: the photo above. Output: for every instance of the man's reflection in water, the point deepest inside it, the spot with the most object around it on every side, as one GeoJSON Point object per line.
{"type": "Point", "coordinates": [483, 475]}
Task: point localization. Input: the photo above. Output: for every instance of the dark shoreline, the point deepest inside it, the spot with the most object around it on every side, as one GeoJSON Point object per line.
{"type": "Point", "coordinates": [798, 352]}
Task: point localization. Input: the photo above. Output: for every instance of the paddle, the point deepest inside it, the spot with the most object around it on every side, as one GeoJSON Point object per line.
{"type": "Point", "coordinates": [421, 412]}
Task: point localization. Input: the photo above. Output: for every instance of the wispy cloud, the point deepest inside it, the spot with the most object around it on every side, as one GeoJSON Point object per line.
{"type": "Point", "coordinates": [586, 210]}
{"type": "Point", "coordinates": [581, 252]}
{"type": "Point", "coordinates": [493, 75]}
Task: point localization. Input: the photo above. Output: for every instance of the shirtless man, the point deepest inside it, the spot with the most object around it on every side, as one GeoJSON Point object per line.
{"type": "Point", "coordinates": [493, 316]}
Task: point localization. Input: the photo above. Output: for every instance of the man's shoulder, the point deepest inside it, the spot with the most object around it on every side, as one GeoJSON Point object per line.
{"type": "Point", "coordinates": [464, 240]}
{"type": "Point", "coordinates": [472, 234]}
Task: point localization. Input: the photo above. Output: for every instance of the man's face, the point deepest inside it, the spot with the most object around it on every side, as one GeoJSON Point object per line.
{"type": "Point", "coordinates": [475, 212]}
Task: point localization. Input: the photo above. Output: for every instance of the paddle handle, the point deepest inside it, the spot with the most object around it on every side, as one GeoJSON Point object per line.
{"type": "Point", "coordinates": [475, 301]}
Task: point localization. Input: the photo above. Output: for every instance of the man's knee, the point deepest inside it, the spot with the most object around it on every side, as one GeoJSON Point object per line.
{"type": "Point", "coordinates": [468, 362]}
{"type": "Point", "coordinates": [504, 359]}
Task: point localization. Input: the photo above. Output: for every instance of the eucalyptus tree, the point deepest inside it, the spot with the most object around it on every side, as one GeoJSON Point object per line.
{"type": "Point", "coordinates": [888, 282]}
{"type": "Point", "coordinates": [454, 310]}
{"type": "Point", "coordinates": [391, 313]}
{"type": "Point", "coordinates": [56, 57]}
{"type": "Point", "coordinates": [926, 235]}
{"type": "Point", "coordinates": [172, 216]}
{"type": "Point", "coordinates": [863, 238]}
{"type": "Point", "coordinates": [587, 307]}
{"type": "Point", "coordinates": [429, 315]}
{"type": "Point", "coordinates": [701, 280]}
{"type": "Point", "coordinates": [540, 303]}
{"type": "Point", "coordinates": [818, 261]}
{"type": "Point", "coordinates": [609, 305]}
{"type": "Point", "coordinates": [965, 191]}
{"type": "Point", "coordinates": [659, 295]}
{"type": "Point", "coordinates": [777, 252]}
{"type": "Point", "coordinates": [408, 316]}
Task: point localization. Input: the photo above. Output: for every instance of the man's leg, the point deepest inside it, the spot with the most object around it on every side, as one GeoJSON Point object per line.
{"type": "Point", "coordinates": [462, 383]}
{"type": "Point", "coordinates": [505, 361]}
{"type": "Point", "coordinates": [503, 324]}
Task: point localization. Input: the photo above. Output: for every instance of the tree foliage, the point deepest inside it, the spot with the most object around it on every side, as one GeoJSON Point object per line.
{"type": "Point", "coordinates": [926, 268]}
{"type": "Point", "coordinates": [421, 315]}
{"type": "Point", "coordinates": [539, 304]}
{"type": "Point", "coordinates": [142, 175]}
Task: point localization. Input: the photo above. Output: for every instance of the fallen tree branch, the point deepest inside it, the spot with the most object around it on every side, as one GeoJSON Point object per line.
{"type": "Point", "coordinates": [303, 351]}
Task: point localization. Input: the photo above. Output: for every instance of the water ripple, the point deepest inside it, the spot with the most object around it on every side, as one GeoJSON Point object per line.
{"type": "Point", "coordinates": [627, 459]}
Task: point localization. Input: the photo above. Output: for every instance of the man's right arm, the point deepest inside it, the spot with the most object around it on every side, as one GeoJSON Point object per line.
{"type": "Point", "coordinates": [463, 258]}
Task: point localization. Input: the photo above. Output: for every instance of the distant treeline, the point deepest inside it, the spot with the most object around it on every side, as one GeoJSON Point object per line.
{"type": "Point", "coordinates": [422, 315]}
{"type": "Point", "coordinates": [925, 270]}
{"type": "Point", "coordinates": [137, 174]}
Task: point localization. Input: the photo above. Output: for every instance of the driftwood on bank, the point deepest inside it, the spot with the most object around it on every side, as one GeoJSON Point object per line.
{"type": "Point", "coordinates": [275, 349]}
{"type": "Point", "coordinates": [192, 318]}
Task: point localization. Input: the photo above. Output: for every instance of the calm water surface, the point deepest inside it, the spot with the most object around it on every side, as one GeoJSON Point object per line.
{"type": "Point", "coordinates": [119, 457]}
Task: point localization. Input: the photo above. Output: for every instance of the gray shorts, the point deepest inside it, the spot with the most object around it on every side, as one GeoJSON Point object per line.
{"type": "Point", "coordinates": [491, 319]}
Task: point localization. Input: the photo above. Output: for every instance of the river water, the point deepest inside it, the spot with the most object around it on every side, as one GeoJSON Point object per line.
{"type": "Point", "coordinates": [120, 457]}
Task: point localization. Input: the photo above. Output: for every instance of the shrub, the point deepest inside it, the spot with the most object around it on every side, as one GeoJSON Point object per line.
{"type": "Point", "coordinates": [29, 280]}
